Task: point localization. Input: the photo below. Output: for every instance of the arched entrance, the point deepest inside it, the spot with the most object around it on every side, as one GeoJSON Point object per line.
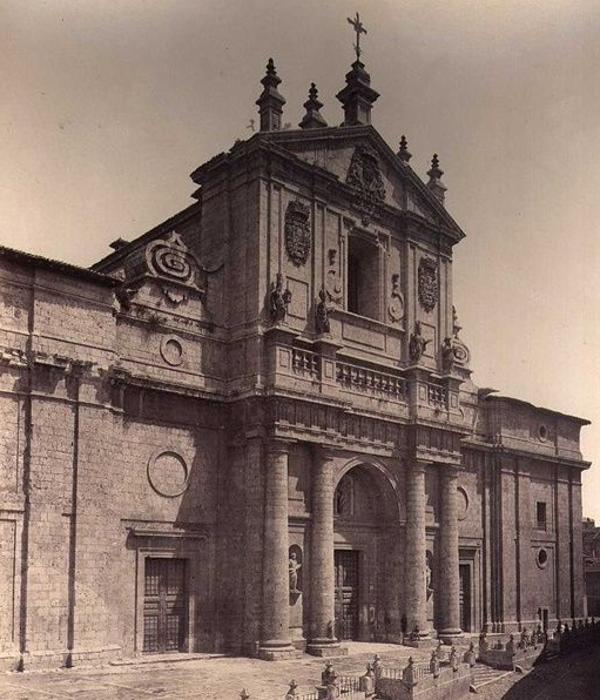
{"type": "Point", "coordinates": [368, 551]}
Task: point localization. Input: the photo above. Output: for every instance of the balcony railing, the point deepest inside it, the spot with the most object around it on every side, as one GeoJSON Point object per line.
{"type": "Point", "coordinates": [436, 395]}
{"type": "Point", "coordinates": [378, 384]}
{"type": "Point", "coordinates": [306, 363]}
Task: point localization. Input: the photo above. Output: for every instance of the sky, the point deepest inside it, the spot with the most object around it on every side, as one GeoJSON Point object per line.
{"type": "Point", "coordinates": [106, 106]}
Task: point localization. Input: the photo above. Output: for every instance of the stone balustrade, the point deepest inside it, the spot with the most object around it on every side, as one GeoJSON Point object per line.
{"type": "Point", "coordinates": [306, 363]}
{"type": "Point", "coordinates": [515, 651]}
{"type": "Point", "coordinates": [372, 382]}
{"type": "Point", "coordinates": [437, 396]}
{"type": "Point", "coordinates": [566, 639]}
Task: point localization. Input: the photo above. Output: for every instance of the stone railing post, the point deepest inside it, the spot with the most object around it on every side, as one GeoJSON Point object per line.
{"type": "Point", "coordinates": [408, 673]}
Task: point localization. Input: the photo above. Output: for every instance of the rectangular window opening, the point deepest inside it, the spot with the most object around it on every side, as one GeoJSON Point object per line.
{"type": "Point", "coordinates": [363, 277]}
{"type": "Point", "coordinates": [541, 515]}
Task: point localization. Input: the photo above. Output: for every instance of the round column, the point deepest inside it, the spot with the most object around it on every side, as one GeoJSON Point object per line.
{"type": "Point", "coordinates": [322, 574]}
{"type": "Point", "coordinates": [449, 588]}
{"type": "Point", "coordinates": [416, 547]}
{"type": "Point", "coordinates": [276, 613]}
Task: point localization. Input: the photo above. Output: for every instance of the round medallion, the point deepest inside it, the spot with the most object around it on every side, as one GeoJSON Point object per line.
{"type": "Point", "coordinates": [463, 503]}
{"type": "Point", "coordinates": [168, 473]}
{"type": "Point", "coordinates": [171, 350]}
{"type": "Point", "coordinates": [542, 558]}
{"type": "Point", "coordinates": [543, 433]}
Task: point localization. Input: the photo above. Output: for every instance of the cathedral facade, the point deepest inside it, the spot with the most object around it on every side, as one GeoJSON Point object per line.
{"type": "Point", "coordinates": [253, 429]}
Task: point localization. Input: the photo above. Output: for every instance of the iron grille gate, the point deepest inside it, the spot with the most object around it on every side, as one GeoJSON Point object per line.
{"type": "Point", "coordinates": [346, 593]}
{"type": "Point", "coordinates": [165, 605]}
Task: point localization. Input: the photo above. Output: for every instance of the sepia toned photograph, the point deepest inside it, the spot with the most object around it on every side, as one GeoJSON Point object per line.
{"type": "Point", "coordinates": [300, 349]}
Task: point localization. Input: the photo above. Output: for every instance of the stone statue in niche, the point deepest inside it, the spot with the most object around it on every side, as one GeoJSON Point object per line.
{"type": "Point", "coordinates": [417, 343]}
{"type": "Point", "coordinates": [294, 566]}
{"type": "Point", "coordinates": [396, 305]}
{"type": "Point", "coordinates": [447, 355]}
{"type": "Point", "coordinates": [295, 573]}
{"type": "Point", "coordinates": [428, 574]}
{"type": "Point", "coordinates": [279, 301]}
{"type": "Point", "coordinates": [322, 314]}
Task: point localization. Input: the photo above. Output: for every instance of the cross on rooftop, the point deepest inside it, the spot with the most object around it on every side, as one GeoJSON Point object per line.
{"type": "Point", "coordinates": [359, 28]}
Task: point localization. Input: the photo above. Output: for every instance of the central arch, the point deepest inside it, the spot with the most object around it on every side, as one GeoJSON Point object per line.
{"type": "Point", "coordinates": [368, 550]}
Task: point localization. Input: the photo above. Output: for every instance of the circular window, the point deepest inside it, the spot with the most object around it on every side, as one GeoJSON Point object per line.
{"type": "Point", "coordinates": [543, 433]}
{"type": "Point", "coordinates": [168, 473]}
{"type": "Point", "coordinates": [171, 350]}
{"type": "Point", "coordinates": [463, 503]}
{"type": "Point", "coordinates": [542, 558]}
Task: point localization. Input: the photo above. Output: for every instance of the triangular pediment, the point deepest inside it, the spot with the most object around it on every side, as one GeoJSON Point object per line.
{"type": "Point", "coordinates": [360, 158]}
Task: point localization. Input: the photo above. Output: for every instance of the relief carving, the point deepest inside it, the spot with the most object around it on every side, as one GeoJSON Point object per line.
{"type": "Point", "coordinates": [461, 354]}
{"type": "Point", "coordinates": [428, 284]}
{"type": "Point", "coordinates": [396, 305]}
{"type": "Point", "coordinates": [364, 176]}
{"type": "Point", "coordinates": [298, 235]}
{"type": "Point", "coordinates": [333, 284]}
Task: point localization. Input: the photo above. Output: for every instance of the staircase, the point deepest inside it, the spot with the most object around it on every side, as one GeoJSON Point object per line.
{"type": "Point", "coordinates": [484, 675]}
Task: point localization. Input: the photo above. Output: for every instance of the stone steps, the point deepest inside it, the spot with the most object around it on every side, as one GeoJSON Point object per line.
{"type": "Point", "coordinates": [484, 675]}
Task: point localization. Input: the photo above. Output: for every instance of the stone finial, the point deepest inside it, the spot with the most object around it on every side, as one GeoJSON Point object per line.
{"type": "Point", "coordinates": [408, 673]}
{"type": "Point", "coordinates": [403, 153]}
{"type": "Point", "coordinates": [270, 103]}
{"type": "Point", "coordinates": [453, 659]}
{"type": "Point", "coordinates": [313, 118]}
{"type": "Point", "coordinates": [358, 96]}
{"type": "Point", "coordinates": [291, 693]}
{"type": "Point", "coordinates": [435, 183]}
{"type": "Point", "coordinates": [434, 664]}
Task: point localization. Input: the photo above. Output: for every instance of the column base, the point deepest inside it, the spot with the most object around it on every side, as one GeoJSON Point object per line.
{"type": "Point", "coordinates": [450, 635]}
{"type": "Point", "coordinates": [420, 640]}
{"type": "Point", "coordinates": [276, 649]}
{"type": "Point", "coordinates": [325, 647]}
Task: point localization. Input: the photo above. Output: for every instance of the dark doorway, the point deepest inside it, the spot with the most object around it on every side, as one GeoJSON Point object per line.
{"type": "Point", "coordinates": [165, 605]}
{"type": "Point", "coordinates": [346, 594]}
{"type": "Point", "coordinates": [465, 597]}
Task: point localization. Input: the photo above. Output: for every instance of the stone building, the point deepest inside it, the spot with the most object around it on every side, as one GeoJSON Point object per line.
{"type": "Point", "coordinates": [253, 428]}
{"type": "Point", "coordinates": [591, 566]}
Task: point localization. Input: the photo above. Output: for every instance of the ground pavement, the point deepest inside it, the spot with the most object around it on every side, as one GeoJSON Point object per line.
{"type": "Point", "coordinates": [222, 678]}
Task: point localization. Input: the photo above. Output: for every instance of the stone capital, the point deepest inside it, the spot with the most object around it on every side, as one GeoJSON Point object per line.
{"type": "Point", "coordinates": [278, 446]}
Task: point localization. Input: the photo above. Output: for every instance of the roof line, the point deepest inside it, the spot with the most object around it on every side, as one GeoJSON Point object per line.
{"type": "Point", "coordinates": [20, 256]}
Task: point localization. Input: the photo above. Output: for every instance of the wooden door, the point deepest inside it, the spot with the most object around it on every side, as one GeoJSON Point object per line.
{"type": "Point", "coordinates": [346, 593]}
{"type": "Point", "coordinates": [165, 605]}
{"type": "Point", "coordinates": [465, 597]}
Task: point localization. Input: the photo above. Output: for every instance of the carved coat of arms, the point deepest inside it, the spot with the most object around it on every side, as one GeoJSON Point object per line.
{"type": "Point", "coordinates": [298, 236]}
{"type": "Point", "coordinates": [428, 284]}
{"type": "Point", "coordinates": [365, 177]}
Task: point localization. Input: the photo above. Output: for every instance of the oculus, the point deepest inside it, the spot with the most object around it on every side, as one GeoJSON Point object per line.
{"type": "Point", "coordinates": [171, 350]}
{"type": "Point", "coordinates": [168, 473]}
